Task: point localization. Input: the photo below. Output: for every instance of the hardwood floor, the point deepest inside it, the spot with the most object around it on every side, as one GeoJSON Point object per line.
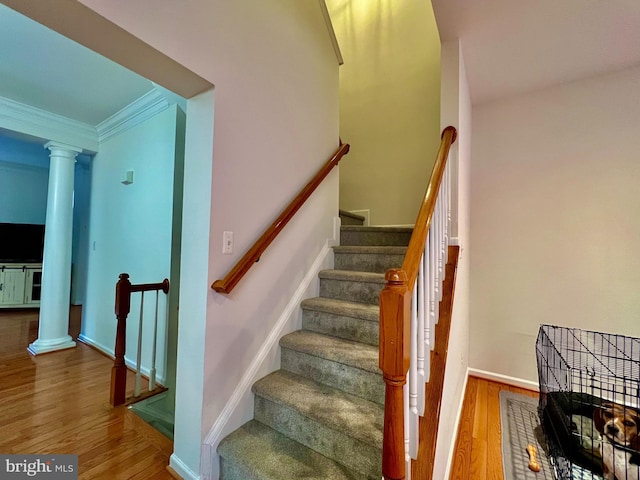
{"type": "Point", "coordinates": [478, 452]}
{"type": "Point", "coordinates": [58, 403]}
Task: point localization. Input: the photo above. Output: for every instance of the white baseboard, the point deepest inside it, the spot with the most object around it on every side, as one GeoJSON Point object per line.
{"type": "Point", "coordinates": [456, 425]}
{"type": "Point", "coordinates": [181, 468]}
{"type": "Point", "coordinates": [497, 377]}
{"type": "Point", "coordinates": [110, 353]}
{"type": "Point", "coordinates": [233, 415]}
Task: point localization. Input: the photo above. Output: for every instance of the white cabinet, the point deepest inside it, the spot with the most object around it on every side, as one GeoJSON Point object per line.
{"type": "Point", "coordinates": [33, 285]}
{"type": "Point", "coordinates": [20, 285]}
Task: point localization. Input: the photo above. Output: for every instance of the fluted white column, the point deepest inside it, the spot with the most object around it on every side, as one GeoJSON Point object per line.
{"type": "Point", "coordinates": [53, 330]}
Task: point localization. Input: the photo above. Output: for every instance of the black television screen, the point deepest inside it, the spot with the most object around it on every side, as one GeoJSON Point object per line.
{"type": "Point", "coordinates": [20, 242]}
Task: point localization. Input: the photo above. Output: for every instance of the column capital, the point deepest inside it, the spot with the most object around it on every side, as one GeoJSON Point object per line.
{"type": "Point", "coordinates": [69, 149]}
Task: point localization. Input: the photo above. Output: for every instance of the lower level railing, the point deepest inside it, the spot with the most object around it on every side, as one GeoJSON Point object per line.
{"type": "Point", "coordinates": [408, 315]}
{"type": "Point", "coordinates": [124, 289]}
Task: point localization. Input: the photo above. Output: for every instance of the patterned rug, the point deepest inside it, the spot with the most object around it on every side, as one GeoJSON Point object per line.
{"type": "Point", "coordinates": [520, 427]}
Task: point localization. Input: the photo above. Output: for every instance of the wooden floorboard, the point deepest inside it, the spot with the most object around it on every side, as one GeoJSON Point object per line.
{"type": "Point", "coordinates": [58, 403]}
{"type": "Point", "coordinates": [478, 450]}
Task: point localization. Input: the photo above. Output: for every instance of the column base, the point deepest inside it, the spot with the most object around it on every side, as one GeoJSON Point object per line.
{"type": "Point", "coordinates": [45, 346]}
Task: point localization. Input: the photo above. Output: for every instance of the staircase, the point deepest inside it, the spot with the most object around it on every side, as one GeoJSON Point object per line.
{"type": "Point", "coordinates": [321, 415]}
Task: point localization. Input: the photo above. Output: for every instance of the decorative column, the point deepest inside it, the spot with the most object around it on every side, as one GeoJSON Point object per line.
{"type": "Point", "coordinates": [53, 330]}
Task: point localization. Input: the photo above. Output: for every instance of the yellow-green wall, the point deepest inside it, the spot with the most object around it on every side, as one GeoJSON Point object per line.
{"type": "Point", "coordinates": [389, 104]}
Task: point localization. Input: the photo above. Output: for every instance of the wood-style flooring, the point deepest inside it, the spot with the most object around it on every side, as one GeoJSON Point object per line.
{"type": "Point", "coordinates": [59, 403]}
{"type": "Point", "coordinates": [478, 452]}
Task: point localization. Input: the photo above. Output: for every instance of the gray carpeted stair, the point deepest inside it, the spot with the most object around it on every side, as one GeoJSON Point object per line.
{"type": "Point", "coordinates": [321, 415]}
{"type": "Point", "coordinates": [381, 236]}
{"type": "Point", "coordinates": [350, 366]}
{"type": "Point", "coordinates": [363, 287]}
{"type": "Point", "coordinates": [338, 318]}
{"type": "Point", "coordinates": [368, 258]}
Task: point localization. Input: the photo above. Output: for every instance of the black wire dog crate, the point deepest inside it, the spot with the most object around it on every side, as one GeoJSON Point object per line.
{"type": "Point", "coordinates": [589, 387]}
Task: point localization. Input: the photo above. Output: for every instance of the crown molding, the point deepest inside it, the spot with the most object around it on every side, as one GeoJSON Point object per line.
{"type": "Point", "coordinates": [40, 123]}
{"type": "Point", "coordinates": [145, 107]}
{"type": "Point", "coordinates": [50, 126]}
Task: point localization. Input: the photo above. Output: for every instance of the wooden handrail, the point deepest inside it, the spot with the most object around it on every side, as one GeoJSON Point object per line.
{"type": "Point", "coordinates": [122, 308]}
{"type": "Point", "coordinates": [411, 261]}
{"type": "Point", "coordinates": [395, 315]}
{"type": "Point", "coordinates": [231, 279]}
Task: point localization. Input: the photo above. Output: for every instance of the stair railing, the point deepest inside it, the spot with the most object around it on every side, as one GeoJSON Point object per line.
{"type": "Point", "coordinates": [408, 315]}
{"type": "Point", "coordinates": [124, 289]}
{"type": "Point", "coordinates": [239, 270]}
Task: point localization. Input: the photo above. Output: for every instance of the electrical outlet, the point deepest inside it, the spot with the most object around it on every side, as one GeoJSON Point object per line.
{"type": "Point", "coordinates": [227, 243]}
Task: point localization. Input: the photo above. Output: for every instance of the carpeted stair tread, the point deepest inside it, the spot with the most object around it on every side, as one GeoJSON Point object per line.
{"type": "Point", "coordinates": [360, 235]}
{"type": "Point", "coordinates": [353, 416]}
{"type": "Point", "coordinates": [375, 249]}
{"type": "Point", "coordinates": [372, 228]}
{"type": "Point", "coordinates": [351, 276]}
{"type": "Point", "coordinates": [342, 307]}
{"type": "Point", "coordinates": [355, 286]}
{"type": "Point", "coordinates": [257, 452]}
{"type": "Point", "coordinates": [355, 354]}
{"type": "Point", "coordinates": [368, 258]}
{"type": "Point", "coordinates": [342, 319]}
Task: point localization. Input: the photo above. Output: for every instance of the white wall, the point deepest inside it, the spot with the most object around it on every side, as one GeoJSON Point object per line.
{"type": "Point", "coordinates": [554, 221]}
{"type": "Point", "coordinates": [456, 111]}
{"type": "Point", "coordinates": [276, 122]}
{"type": "Point", "coordinates": [130, 231]}
{"type": "Point", "coordinates": [389, 105]}
{"type": "Point", "coordinates": [24, 181]}
{"type": "Point", "coordinates": [80, 253]}
{"type": "Point", "coordinates": [24, 193]}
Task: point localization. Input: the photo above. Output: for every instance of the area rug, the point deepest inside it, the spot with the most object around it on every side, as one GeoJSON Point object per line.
{"type": "Point", "coordinates": [520, 427]}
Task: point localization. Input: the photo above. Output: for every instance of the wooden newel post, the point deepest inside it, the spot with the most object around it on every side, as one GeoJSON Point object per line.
{"type": "Point", "coordinates": [119, 369]}
{"type": "Point", "coordinates": [395, 311]}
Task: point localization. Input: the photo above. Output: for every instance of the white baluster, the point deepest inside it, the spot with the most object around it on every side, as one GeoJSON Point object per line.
{"type": "Point", "coordinates": [136, 391]}
{"type": "Point", "coordinates": [428, 334]}
{"type": "Point", "coordinates": [421, 337]}
{"type": "Point", "coordinates": [433, 288]}
{"type": "Point", "coordinates": [407, 425]}
{"type": "Point", "coordinates": [435, 285]}
{"type": "Point", "coordinates": [152, 372]}
{"type": "Point", "coordinates": [442, 248]}
{"type": "Point", "coordinates": [448, 211]}
{"type": "Point", "coordinates": [413, 376]}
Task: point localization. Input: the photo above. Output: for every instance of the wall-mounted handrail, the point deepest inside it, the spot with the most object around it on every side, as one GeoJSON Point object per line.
{"type": "Point", "coordinates": [231, 279]}
{"type": "Point", "coordinates": [408, 313]}
{"type": "Point", "coordinates": [124, 288]}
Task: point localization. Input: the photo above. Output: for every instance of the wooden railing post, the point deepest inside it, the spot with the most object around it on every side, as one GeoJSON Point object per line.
{"type": "Point", "coordinates": [395, 307]}
{"type": "Point", "coordinates": [119, 369]}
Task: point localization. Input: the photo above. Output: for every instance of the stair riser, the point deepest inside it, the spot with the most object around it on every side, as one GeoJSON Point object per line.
{"type": "Point", "coordinates": [351, 291]}
{"type": "Point", "coordinates": [364, 384]}
{"type": "Point", "coordinates": [340, 326]}
{"type": "Point", "coordinates": [333, 444]}
{"type": "Point", "coordinates": [375, 238]}
{"type": "Point", "coordinates": [367, 262]}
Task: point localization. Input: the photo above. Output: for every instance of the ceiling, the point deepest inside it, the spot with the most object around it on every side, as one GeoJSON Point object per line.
{"type": "Point", "coordinates": [515, 46]}
{"type": "Point", "coordinates": [43, 69]}
{"type": "Point", "coordinates": [509, 47]}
